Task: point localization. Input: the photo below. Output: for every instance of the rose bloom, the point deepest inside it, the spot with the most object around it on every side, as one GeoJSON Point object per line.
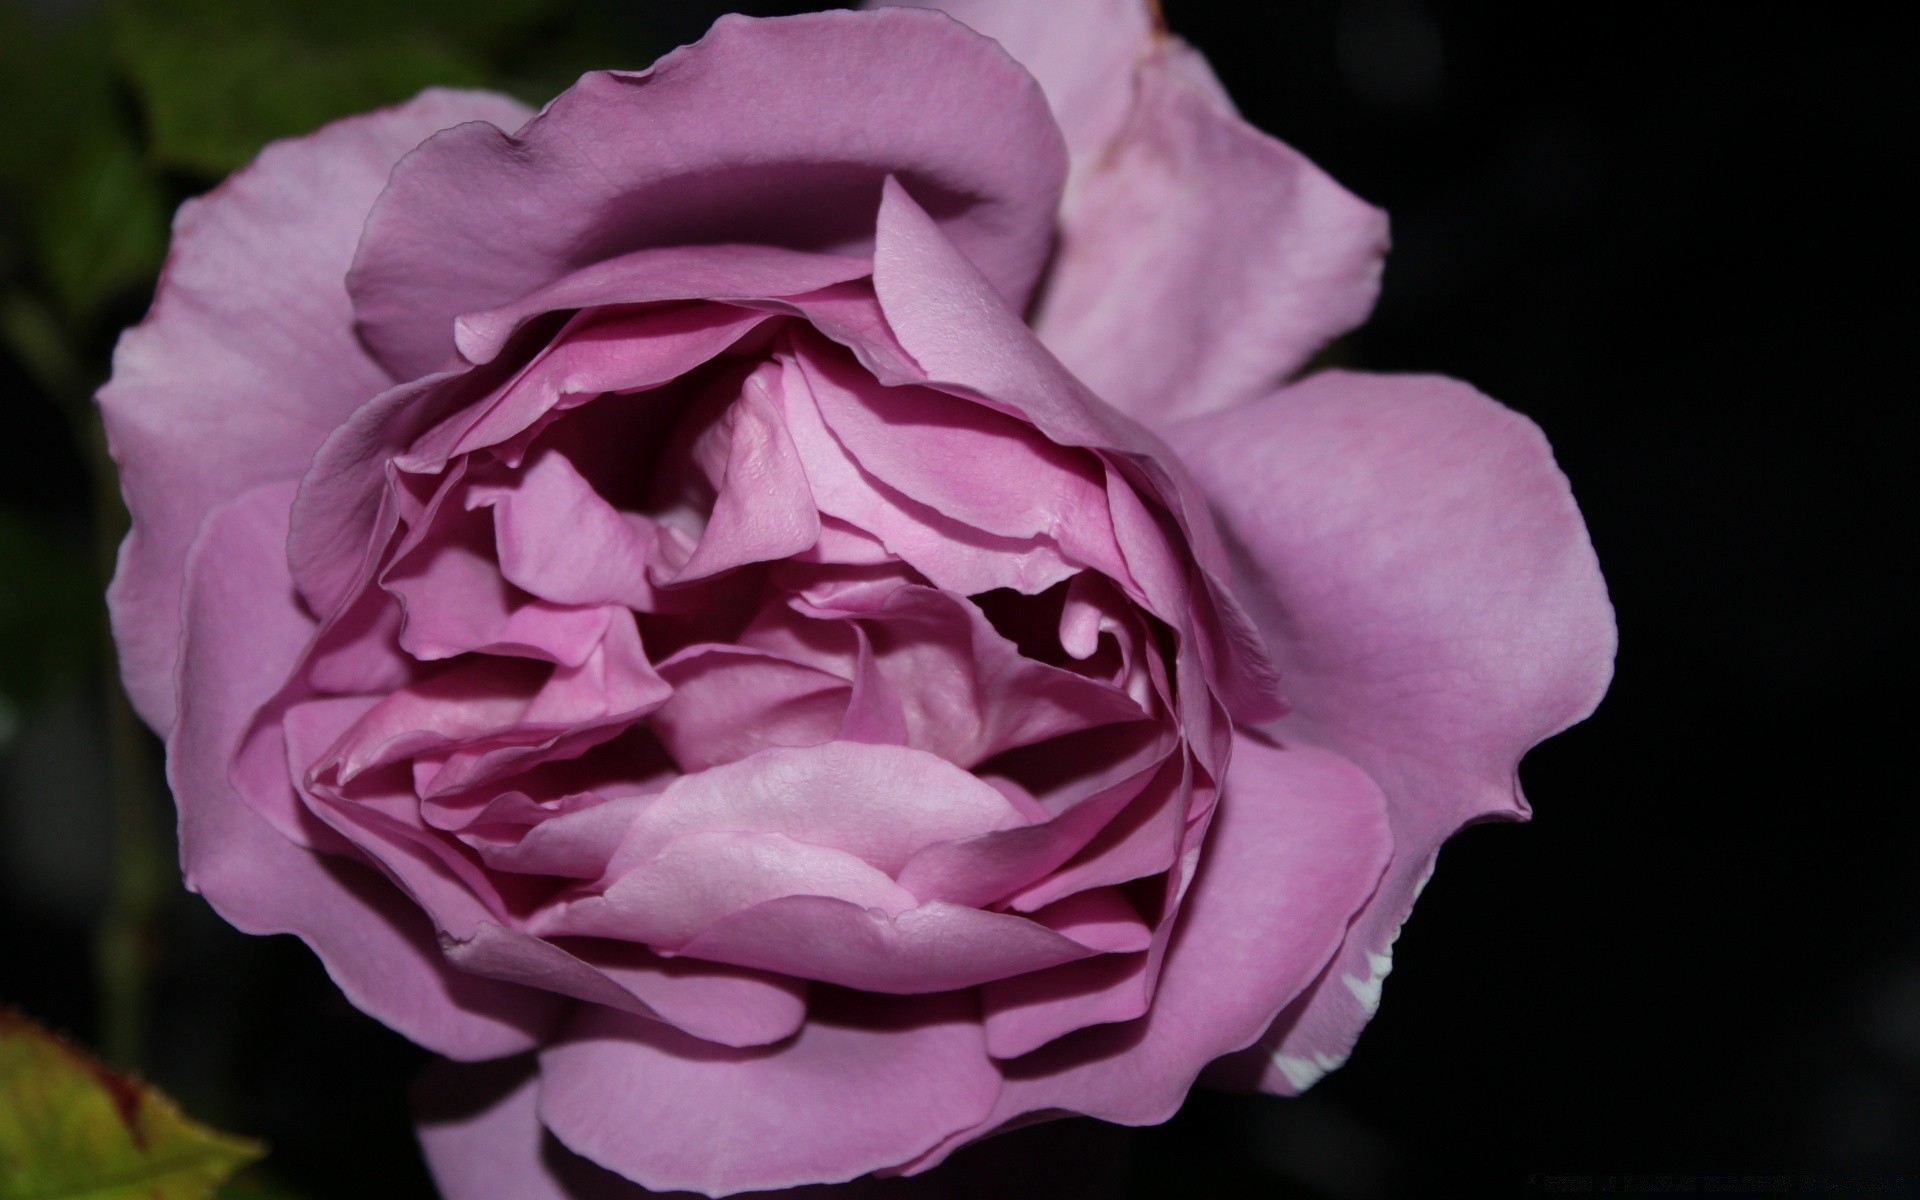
{"type": "Point", "coordinates": [796, 592]}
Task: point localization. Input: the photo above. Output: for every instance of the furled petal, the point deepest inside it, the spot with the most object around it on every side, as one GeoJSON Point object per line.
{"type": "Point", "coordinates": [724, 272]}
{"type": "Point", "coordinates": [764, 511]}
{"type": "Point", "coordinates": [1026, 1012]}
{"type": "Point", "coordinates": [247, 359]}
{"type": "Point", "coordinates": [716, 1003]}
{"type": "Point", "coordinates": [881, 803]}
{"type": "Point", "coordinates": [1429, 590]}
{"type": "Point", "coordinates": [1295, 849]}
{"type": "Point", "coordinates": [729, 702]}
{"type": "Point", "coordinates": [776, 131]}
{"type": "Point", "coordinates": [965, 337]}
{"type": "Point", "coordinates": [244, 634]}
{"type": "Point", "coordinates": [953, 554]}
{"type": "Point", "coordinates": [968, 462]}
{"type": "Point", "coordinates": [596, 352]}
{"type": "Point", "coordinates": [602, 559]}
{"type": "Point", "coordinates": [669, 899]}
{"type": "Point", "coordinates": [967, 691]}
{"type": "Point", "coordinates": [870, 1082]}
{"type": "Point", "coordinates": [456, 601]}
{"type": "Point", "coordinates": [936, 947]}
{"type": "Point", "coordinates": [1202, 262]}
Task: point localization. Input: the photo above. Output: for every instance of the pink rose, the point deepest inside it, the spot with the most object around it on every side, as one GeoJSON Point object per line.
{"type": "Point", "coordinates": [632, 592]}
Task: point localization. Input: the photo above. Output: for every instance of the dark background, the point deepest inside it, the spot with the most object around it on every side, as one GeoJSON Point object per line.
{"type": "Point", "coordinates": [1667, 234]}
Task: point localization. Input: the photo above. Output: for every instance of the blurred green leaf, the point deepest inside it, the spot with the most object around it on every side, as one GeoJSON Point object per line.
{"type": "Point", "coordinates": [217, 79]}
{"type": "Point", "coordinates": [71, 1129]}
{"type": "Point", "coordinates": [48, 611]}
{"type": "Point", "coordinates": [103, 224]}
{"type": "Point", "coordinates": [92, 209]}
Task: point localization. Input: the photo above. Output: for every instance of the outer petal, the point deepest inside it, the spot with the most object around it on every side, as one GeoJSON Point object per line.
{"type": "Point", "coordinates": [1418, 565]}
{"type": "Point", "coordinates": [244, 633]}
{"type": "Point", "coordinates": [1296, 848]}
{"type": "Point", "coordinates": [866, 1084]}
{"type": "Point", "coordinates": [1202, 262]}
{"type": "Point", "coordinates": [1082, 51]}
{"type": "Point", "coordinates": [247, 359]}
{"type": "Point", "coordinates": [777, 131]}
{"type": "Point", "coordinates": [481, 1134]}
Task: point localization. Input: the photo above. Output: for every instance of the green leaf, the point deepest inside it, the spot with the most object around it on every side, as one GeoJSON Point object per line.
{"type": "Point", "coordinates": [49, 604]}
{"type": "Point", "coordinates": [218, 79]}
{"type": "Point", "coordinates": [103, 225]}
{"type": "Point", "coordinates": [91, 207]}
{"type": "Point", "coordinates": [71, 1129]}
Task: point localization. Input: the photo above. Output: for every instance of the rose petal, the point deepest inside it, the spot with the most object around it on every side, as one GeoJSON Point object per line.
{"type": "Point", "coordinates": [953, 554]}
{"type": "Point", "coordinates": [968, 462]}
{"type": "Point", "coordinates": [250, 317]}
{"type": "Point", "coordinates": [669, 898]}
{"type": "Point", "coordinates": [480, 1132]}
{"type": "Point", "coordinates": [1427, 584]}
{"type": "Point", "coordinates": [244, 633]}
{"type": "Point", "coordinates": [1026, 1012]}
{"type": "Point", "coordinates": [602, 559]}
{"type": "Point", "coordinates": [775, 131]}
{"type": "Point", "coordinates": [936, 947]}
{"type": "Point", "coordinates": [1083, 53]}
{"type": "Point", "coordinates": [881, 803]}
{"type": "Point", "coordinates": [965, 337]}
{"type": "Point", "coordinates": [764, 511]}
{"type": "Point", "coordinates": [867, 1083]}
{"type": "Point", "coordinates": [730, 702]}
{"type": "Point", "coordinates": [1192, 210]}
{"type": "Point", "coordinates": [660, 273]}
{"type": "Point", "coordinates": [1295, 850]}
{"type": "Point", "coordinates": [720, 1004]}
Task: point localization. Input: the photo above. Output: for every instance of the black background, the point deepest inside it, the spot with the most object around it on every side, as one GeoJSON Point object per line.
{"type": "Point", "coordinates": [1668, 234]}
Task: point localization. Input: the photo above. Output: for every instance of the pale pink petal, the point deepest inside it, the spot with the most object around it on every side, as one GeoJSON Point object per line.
{"type": "Point", "coordinates": [456, 601]}
{"type": "Point", "coordinates": [880, 803]}
{"type": "Point", "coordinates": [1026, 1012]}
{"type": "Point", "coordinates": [247, 360]}
{"type": "Point", "coordinates": [1190, 210]}
{"type": "Point", "coordinates": [1143, 840]}
{"type": "Point", "coordinates": [874, 713]}
{"type": "Point", "coordinates": [1296, 848]}
{"type": "Point", "coordinates": [776, 131]}
{"type": "Point", "coordinates": [1427, 584]}
{"type": "Point", "coordinates": [730, 702]}
{"type": "Point", "coordinates": [985, 870]}
{"type": "Point", "coordinates": [724, 1005]}
{"type": "Point", "coordinates": [703, 878]}
{"type": "Point", "coordinates": [1083, 52]}
{"type": "Point", "coordinates": [936, 947]}
{"type": "Point", "coordinates": [596, 352]}
{"type": "Point", "coordinates": [953, 554]}
{"type": "Point", "coordinates": [968, 462]}
{"type": "Point", "coordinates": [967, 691]}
{"type": "Point", "coordinates": [764, 511]}
{"type": "Point", "coordinates": [965, 337]}
{"type": "Point", "coordinates": [718, 272]}
{"type": "Point", "coordinates": [868, 1083]}
{"type": "Point", "coordinates": [480, 1132]}
{"type": "Point", "coordinates": [602, 559]}
{"type": "Point", "coordinates": [245, 633]}
{"type": "Point", "coordinates": [1100, 919]}
{"type": "Point", "coordinates": [577, 844]}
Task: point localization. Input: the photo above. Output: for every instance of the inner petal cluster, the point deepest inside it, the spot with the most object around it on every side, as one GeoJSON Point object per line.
{"type": "Point", "coordinates": [685, 638]}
